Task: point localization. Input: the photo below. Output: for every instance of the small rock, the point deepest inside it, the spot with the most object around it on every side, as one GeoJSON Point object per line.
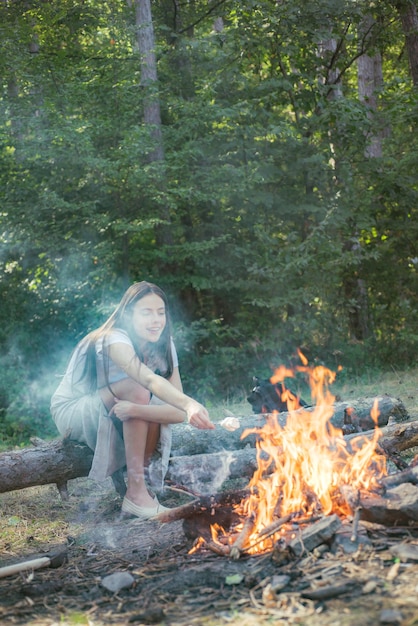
{"type": "Point", "coordinates": [117, 581]}
{"type": "Point", "coordinates": [390, 616]}
{"type": "Point", "coordinates": [279, 581]}
{"type": "Point", "coordinates": [405, 552]}
{"type": "Point", "coordinates": [343, 542]}
{"type": "Point", "coordinates": [369, 587]}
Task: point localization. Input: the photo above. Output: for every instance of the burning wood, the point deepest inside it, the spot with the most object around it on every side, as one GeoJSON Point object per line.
{"type": "Point", "coordinates": [242, 539]}
{"type": "Point", "coordinates": [315, 534]}
{"type": "Point", "coordinates": [307, 468]}
{"type": "Point", "coordinates": [202, 504]}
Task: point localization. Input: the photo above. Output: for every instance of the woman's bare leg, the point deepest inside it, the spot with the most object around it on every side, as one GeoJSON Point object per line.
{"type": "Point", "coordinates": [140, 439]}
{"type": "Point", "coordinates": [135, 434]}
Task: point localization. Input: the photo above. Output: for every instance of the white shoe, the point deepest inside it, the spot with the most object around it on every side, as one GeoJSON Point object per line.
{"type": "Point", "coordinates": [143, 512]}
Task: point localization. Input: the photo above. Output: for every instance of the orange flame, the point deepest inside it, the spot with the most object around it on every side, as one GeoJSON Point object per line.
{"type": "Point", "coordinates": [303, 464]}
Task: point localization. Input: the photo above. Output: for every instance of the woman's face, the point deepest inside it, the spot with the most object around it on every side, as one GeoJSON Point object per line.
{"type": "Point", "coordinates": [149, 318]}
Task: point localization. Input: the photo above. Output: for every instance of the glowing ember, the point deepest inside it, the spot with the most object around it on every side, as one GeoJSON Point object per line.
{"type": "Point", "coordinates": [303, 465]}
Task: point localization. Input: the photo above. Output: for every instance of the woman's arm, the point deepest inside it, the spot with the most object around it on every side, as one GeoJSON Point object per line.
{"type": "Point", "coordinates": [160, 413]}
{"type": "Point", "coordinates": [167, 390]}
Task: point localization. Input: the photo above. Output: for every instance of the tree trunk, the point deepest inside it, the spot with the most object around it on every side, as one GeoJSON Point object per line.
{"type": "Point", "coordinates": [202, 472]}
{"type": "Point", "coordinates": [149, 78]}
{"type": "Point", "coordinates": [409, 19]}
{"type": "Point", "coordinates": [187, 440]}
{"type": "Point", "coordinates": [152, 111]}
{"type": "Point", "coordinates": [54, 462]}
{"type": "Point", "coordinates": [370, 80]}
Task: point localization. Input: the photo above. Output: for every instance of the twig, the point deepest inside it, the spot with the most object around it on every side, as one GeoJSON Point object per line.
{"type": "Point", "coordinates": [217, 548]}
{"type": "Point", "coordinates": [356, 520]}
{"type": "Point", "coordinates": [183, 490]}
{"type": "Point", "coordinates": [271, 529]}
{"type": "Point", "coordinates": [326, 593]}
{"type": "Point", "coordinates": [237, 548]}
{"type": "Point", "coordinates": [275, 526]}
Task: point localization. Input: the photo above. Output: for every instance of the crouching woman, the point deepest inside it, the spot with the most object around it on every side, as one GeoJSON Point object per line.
{"type": "Point", "coordinates": [121, 392]}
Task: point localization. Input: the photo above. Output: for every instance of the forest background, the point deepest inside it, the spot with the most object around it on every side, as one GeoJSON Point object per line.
{"type": "Point", "coordinates": [257, 160]}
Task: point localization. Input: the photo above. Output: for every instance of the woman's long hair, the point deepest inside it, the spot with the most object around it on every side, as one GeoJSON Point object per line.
{"type": "Point", "coordinates": [122, 318]}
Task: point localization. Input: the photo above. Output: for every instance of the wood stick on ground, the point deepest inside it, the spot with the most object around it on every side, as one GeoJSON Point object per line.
{"type": "Point", "coordinates": [326, 593]}
{"type": "Point", "coordinates": [53, 560]}
{"type": "Point", "coordinates": [275, 526]}
{"type": "Point", "coordinates": [271, 529]}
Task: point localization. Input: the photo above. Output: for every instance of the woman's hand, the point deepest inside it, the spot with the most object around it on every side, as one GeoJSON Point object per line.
{"type": "Point", "coordinates": [198, 416]}
{"type": "Point", "coordinates": [123, 410]}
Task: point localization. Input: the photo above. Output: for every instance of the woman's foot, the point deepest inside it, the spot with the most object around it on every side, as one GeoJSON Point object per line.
{"type": "Point", "coordinates": [143, 512]}
{"type": "Point", "coordinates": [140, 498]}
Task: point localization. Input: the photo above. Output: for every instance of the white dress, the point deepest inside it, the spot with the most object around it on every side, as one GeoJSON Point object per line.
{"type": "Point", "coordinates": [82, 416]}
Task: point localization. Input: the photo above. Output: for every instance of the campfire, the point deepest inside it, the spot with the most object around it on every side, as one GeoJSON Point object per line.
{"type": "Point", "coordinates": [304, 466]}
{"type": "Point", "coordinates": [306, 472]}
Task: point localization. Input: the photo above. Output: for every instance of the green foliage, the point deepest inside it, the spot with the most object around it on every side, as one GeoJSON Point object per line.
{"type": "Point", "coordinates": [266, 222]}
{"type": "Point", "coordinates": [24, 402]}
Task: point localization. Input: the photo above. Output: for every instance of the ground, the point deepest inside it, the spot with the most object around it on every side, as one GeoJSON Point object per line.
{"type": "Point", "coordinates": [363, 584]}
{"type": "Point", "coordinates": [170, 586]}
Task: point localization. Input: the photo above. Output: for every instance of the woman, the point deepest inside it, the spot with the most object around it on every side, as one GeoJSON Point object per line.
{"type": "Point", "coordinates": [110, 396]}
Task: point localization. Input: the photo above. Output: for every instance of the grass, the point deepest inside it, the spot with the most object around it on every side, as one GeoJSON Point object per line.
{"type": "Point", "coordinates": [30, 518]}
{"type": "Point", "coordinates": [398, 384]}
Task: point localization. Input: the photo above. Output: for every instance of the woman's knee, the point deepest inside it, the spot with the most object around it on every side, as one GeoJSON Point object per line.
{"type": "Point", "coordinates": [127, 389]}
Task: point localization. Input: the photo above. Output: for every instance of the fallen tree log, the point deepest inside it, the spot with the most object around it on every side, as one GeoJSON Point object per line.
{"type": "Point", "coordinates": [394, 437]}
{"type": "Point", "coordinates": [187, 440]}
{"type": "Point", "coordinates": [55, 461]}
{"type": "Point", "coordinates": [225, 456]}
{"type": "Point", "coordinates": [205, 472]}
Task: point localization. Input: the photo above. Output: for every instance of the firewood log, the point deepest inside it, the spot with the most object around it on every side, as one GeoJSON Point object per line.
{"type": "Point", "coordinates": [60, 460]}
{"type": "Point", "coordinates": [188, 440]}
{"type": "Point", "coordinates": [398, 506]}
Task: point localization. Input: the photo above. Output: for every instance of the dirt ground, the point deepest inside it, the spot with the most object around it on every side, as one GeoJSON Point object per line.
{"type": "Point", "coordinates": [342, 583]}
{"type": "Point", "coordinates": [364, 582]}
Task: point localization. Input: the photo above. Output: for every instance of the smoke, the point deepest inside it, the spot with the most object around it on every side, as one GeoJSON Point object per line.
{"type": "Point", "coordinates": [202, 473]}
